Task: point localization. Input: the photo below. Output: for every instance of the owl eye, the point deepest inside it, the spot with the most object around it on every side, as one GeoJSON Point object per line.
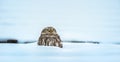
{"type": "Point", "coordinates": [50, 31]}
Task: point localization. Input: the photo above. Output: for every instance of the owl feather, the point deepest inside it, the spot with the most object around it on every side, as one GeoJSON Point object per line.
{"type": "Point", "coordinates": [49, 37]}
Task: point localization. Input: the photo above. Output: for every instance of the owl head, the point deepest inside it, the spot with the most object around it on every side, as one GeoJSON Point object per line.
{"type": "Point", "coordinates": [49, 30]}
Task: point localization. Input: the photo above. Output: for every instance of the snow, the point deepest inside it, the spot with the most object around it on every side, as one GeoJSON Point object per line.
{"type": "Point", "coordinates": [71, 52]}
{"type": "Point", "coordinates": [82, 20]}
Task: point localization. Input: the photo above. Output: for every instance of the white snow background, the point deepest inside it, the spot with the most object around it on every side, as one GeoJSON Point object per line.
{"type": "Point", "coordinates": [86, 20]}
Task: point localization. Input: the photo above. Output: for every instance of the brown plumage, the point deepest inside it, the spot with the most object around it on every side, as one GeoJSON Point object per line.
{"type": "Point", "coordinates": [49, 37]}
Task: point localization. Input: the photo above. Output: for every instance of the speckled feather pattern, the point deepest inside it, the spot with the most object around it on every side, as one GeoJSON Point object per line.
{"type": "Point", "coordinates": [49, 37]}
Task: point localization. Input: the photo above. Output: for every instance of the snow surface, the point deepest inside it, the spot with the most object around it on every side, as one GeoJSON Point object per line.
{"type": "Point", "coordinates": [71, 52]}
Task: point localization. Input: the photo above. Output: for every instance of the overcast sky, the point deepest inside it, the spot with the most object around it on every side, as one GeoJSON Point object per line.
{"type": "Point", "coordinates": [97, 20]}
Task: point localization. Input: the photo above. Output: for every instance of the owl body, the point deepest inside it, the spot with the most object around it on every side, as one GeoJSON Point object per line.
{"type": "Point", "coordinates": [49, 37]}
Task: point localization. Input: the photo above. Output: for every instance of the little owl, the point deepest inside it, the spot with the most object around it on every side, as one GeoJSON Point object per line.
{"type": "Point", "coordinates": [49, 37]}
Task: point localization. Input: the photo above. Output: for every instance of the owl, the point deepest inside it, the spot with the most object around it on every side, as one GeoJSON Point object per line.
{"type": "Point", "coordinates": [49, 37]}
